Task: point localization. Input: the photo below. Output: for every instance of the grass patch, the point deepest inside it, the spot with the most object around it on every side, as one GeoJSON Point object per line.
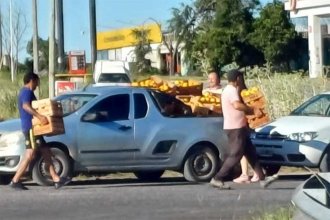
{"type": "Point", "coordinates": [283, 213]}
{"type": "Point", "coordinates": [285, 92]}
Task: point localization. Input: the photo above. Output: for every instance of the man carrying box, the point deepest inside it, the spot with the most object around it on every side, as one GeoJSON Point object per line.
{"type": "Point", "coordinates": [235, 126]}
{"type": "Point", "coordinates": [33, 143]}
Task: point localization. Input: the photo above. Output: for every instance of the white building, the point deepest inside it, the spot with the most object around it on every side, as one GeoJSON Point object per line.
{"type": "Point", "coordinates": [119, 45]}
{"type": "Point", "coordinates": [313, 16]}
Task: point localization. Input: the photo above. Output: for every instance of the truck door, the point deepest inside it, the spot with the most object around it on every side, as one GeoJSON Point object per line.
{"type": "Point", "coordinates": [106, 132]}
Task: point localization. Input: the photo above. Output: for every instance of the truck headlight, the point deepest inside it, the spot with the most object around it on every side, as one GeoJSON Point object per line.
{"type": "Point", "coordinates": [12, 138]}
{"type": "Point", "coordinates": [302, 137]}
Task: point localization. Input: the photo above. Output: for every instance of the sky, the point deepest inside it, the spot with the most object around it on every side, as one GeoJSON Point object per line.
{"type": "Point", "coordinates": [110, 14]}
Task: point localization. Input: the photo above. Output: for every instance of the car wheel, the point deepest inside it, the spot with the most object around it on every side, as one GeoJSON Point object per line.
{"type": "Point", "coordinates": [149, 175]}
{"type": "Point", "coordinates": [40, 172]}
{"type": "Point", "coordinates": [201, 165]}
{"type": "Point", "coordinates": [5, 179]}
{"type": "Point", "coordinates": [325, 162]}
{"type": "Point", "coordinates": [270, 170]}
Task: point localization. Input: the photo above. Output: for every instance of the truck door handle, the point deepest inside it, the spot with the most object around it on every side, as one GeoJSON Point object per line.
{"type": "Point", "coordinates": [124, 127]}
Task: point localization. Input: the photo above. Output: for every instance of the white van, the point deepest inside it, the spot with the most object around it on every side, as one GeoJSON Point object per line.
{"type": "Point", "coordinates": [108, 72]}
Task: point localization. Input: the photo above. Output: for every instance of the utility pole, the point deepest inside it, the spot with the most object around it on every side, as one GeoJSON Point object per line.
{"type": "Point", "coordinates": [11, 42]}
{"type": "Point", "coordinates": [60, 35]}
{"type": "Point", "coordinates": [52, 50]}
{"type": "Point", "coordinates": [35, 37]}
{"type": "Point", "coordinates": [1, 55]}
{"type": "Point", "coordinates": [92, 20]}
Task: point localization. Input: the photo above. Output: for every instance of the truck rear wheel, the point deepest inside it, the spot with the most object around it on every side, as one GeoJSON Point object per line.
{"type": "Point", "coordinates": [201, 165]}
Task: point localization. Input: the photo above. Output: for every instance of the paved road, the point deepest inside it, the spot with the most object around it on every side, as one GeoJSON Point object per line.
{"type": "Point", "coordinates": [171, 198]}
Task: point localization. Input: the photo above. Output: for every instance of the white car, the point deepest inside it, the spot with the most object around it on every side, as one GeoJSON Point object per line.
{"type": "Point", "coordinates": [301, 139]}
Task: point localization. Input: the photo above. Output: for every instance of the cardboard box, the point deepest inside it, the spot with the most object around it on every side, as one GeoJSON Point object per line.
{"type": "Point", "coordinates": [48, 107]}
{"type": "Point", "coordinates": [190, 90]}
{"type": "Point", "coordinates": [54, 127]}
{"type": "Point", "coordinates": [252, 97]}
{"type": "Point", "coordinates": [257, 122]}
{"type": "Point", "coordinates": [258, 103]}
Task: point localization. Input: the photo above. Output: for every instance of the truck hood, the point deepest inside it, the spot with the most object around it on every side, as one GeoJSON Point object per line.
{"type": "Point", "coordinates": [294, 124]}
{"type": "Point", "coordinates": [10, 125]}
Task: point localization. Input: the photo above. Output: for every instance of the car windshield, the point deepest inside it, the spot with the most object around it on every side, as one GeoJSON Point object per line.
{"type": "Point", "coordinates": [316, 106]}
{"type": "Point", "coordinates": [72, 102]}
{"type": "Point", "coordinates": [114, 78]}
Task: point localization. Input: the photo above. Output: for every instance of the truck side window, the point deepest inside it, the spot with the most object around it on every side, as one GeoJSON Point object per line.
{"type": "Point", "coordinates": [113, 108]}
{"type": "Point", "coordinates": [141, 106]}
{"type": "Point", "coordinates": [169, 106]}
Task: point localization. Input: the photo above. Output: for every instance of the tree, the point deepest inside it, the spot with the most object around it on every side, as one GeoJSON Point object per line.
{"type": "Point", "coordinates": [180, 31]}
{"type": "Point", "coordinates": [142, 48]}
{"type": "Point", "coordinates": [19, 28]}
{"type": "Point", "coordinates": [227, 40]}
{"type": "Point", "coordinates": [274, 34]}
{"type": "Point", "coordinates": [43, 47]}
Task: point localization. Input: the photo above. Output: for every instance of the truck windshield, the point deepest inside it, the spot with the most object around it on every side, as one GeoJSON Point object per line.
{"type": "Point", "coordinates": [72, 102]}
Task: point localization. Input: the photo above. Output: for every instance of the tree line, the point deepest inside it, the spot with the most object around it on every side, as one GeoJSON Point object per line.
{"type": "Point", "coordinates": [216, 33]}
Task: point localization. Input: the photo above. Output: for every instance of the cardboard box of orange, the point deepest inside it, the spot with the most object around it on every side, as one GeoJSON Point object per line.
{"type": "Point", "coordinates": [253, 97]}
{"type": "Point", "coordinates": [54, 113]}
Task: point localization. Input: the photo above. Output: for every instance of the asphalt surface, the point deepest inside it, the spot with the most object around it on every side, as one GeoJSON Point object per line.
{"type": "Point", "coordinates": [170, 198]}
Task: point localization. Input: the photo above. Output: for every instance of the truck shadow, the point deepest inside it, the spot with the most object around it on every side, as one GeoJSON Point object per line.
{"type": "Point", "coordinates": [130, 182]}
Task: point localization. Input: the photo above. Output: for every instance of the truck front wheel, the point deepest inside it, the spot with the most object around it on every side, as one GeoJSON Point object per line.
{"type": "Point", "coordinates": [61, 162]}
{"type": "Point", "coordinates": [201, 165]}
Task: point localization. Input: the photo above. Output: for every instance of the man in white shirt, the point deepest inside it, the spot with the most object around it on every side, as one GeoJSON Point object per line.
{"type": "Point", "coordinates": [213, 83]}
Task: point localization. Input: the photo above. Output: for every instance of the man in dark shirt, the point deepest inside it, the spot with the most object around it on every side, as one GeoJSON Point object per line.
{"type": "Point", "coordinates": [33, 143]}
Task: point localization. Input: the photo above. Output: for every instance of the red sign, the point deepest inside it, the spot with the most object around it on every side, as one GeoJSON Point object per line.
{"type": "Point", "coordinates": [64, 86]}
{"type": "Point", "coordinates": [77, 62]}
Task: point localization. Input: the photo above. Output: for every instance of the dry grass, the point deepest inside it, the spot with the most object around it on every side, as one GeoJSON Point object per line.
{"type": "Point", "coordinates": [284, 93]}
{"type": "Point", "coordinates": [9, 92]}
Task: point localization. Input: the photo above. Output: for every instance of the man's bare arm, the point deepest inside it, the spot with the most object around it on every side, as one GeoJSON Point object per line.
{"type": "Point", "coordinates": [238, 105]}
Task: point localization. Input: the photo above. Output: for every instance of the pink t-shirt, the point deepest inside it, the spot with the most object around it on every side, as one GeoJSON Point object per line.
{"type": "Point", "coordinates": [233, 118]}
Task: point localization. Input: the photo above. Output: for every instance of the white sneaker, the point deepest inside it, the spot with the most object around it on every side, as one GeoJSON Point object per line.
{"type": "Point", "coordinates": [218, 184]}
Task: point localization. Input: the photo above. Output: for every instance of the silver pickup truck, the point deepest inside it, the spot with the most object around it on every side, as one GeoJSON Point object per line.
{"type": "Point", "coordinates": [126, 129]}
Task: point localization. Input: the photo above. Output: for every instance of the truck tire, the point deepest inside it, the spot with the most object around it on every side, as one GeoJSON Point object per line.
{"type": "Point", "coordinates": [149, 175]}
{"type": "Point", "coordinates": [61, 161]}
{"type": "Point", "coordinates": [201, 165]}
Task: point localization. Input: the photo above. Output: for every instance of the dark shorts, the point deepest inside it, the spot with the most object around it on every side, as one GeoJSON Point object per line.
{"type": "Point", "coordinates": [33, 142]}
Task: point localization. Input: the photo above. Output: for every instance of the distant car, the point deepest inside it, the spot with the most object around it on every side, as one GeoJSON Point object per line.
{"type": "Point", "coordinates": [301, 139]}
{"type": "Point", "coordinates": [128, 129]}
{"type": "Point", "coordinates": [108, 72]}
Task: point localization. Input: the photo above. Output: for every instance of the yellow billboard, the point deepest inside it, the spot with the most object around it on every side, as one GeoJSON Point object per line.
{"type": "Point", "coordinates": [123, 37]}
